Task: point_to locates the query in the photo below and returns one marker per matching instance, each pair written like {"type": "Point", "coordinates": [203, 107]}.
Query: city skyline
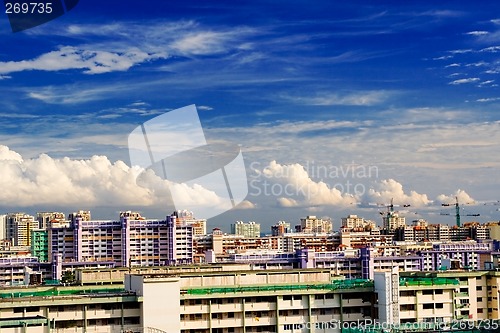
{"type": "Point", "coordinates": [338, 108]}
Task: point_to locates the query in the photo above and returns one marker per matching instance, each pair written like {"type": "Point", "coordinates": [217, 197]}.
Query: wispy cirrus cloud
{"type": "Point", "coordinates": [477, 33]}
{"type": "Point", "coordinates": [90, 61]}
{"type": "Point", "coordinates": [71, 94]}
{"type": "Point", "coordinates": [490, 99]}
{"type": "Point", "coordinates": [464, 81]}
{"type": "Point", "coordinates": [362, 98]}
{"type": "Point", "coordinates": [121, 46]}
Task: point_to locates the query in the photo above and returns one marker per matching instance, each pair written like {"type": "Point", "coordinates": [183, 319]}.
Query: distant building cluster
{"type": "Point", "coordinates": [49, 244]}
{"type": "Point", "coordinates": [122, 272]}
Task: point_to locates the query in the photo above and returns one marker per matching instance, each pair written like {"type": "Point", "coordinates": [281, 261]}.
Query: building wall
{"type": "Point", "coordinates": [252, 301]}
{"type": "Point", "coordinates": [127, 242]}
{"type": "Point", "coordinates": [40, 244]}
{"type": "Point", "coordinates": [160, 301]}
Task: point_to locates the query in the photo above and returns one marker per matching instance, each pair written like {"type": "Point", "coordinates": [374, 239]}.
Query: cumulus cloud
{"type": "Point", "coordinates": [293, 186]}
{"type": "Point", "coordinates": [91, 61]}
{"type": "Point", "coordinates": [9, 155]}
{"type": "Point", "coordinates": [245, 204]}
{"type": "Point", "coordinates": [287, 202]}
{"type": "Point", "coordinates": [462, 196]}
{"type": "Point", "coordinates": [91, 182]}
{"type": "Point", "coordinates": [389, 189]}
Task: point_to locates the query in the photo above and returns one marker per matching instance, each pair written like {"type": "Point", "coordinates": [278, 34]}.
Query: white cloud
{"type": "Point", "coordinates": [91, 182]}
{"type": "Point", "coordinates": [293, 186]}
{"type": "Point", "coordinates": [91, 61]}
{"type": "Point", "coordinates": [9, 155]}
{"type": "Point", "coordinates": [477, 33]}
{"type": "Point", "coordinates": [203, 43]}
{"type": "Point", "coordinates": [120, 46]}
{"type": "Point", "coordinates": [492, 49]}
{"type": "Point", "coordinates": [442, 57]}
{"type": "Point", "coordinates": [477, 64]}
{"type": "Point", "coordinates": [287, 202]}
{"type": "Point", "coordinates": [463, 51]}
{"type": "Point", "coordinates": [464, 81]}
{"type": "Point", "coordinates": [204, 108]}
{"type": "Point", "coordinates": [72, 94]}
{"type": "Point", "coordinates": [463, 198]}
{"type": "Point", "coordinates": [246, 204]}
{"type": "Point", "coordinates": [491, 99]}
{"type": "Point", "coordinates": [390, 189]}
{"type": "Point", "coordinates": [364, 98]}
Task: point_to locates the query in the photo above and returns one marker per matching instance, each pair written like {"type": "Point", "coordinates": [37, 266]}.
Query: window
{"type": "Point", "coordinates": [439, 305]}
{"type": "Point", "coordinates": [407, 307]}
{"type": "Point", "coordinates": [428, 306]}
{"type": "Point", "coordinates": [438, 291]}
{"type": "Point", "coordinates": [407, 293]}
{"type": "Point", "coordinates": [479, 299]}
{"type": "Point", "coordinates": [427, 292]}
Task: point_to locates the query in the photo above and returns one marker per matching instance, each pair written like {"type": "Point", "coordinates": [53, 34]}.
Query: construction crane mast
{"type": "Point", "coordinates": [457, 212]}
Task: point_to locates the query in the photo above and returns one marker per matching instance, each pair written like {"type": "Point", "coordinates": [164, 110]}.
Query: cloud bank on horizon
{"type": "Point", "coordinates": [53, 182]}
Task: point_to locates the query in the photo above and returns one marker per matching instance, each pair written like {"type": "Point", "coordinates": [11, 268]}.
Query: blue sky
{"type": "Point", "coordinates": [307, 90]}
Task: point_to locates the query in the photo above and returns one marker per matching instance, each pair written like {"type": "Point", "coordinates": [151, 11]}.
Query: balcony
{"type": "Point", "coordinates": [231, 307]}
{"type": "Point", "coordinates": [354, 302]}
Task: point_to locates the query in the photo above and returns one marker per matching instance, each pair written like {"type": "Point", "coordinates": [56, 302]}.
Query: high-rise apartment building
{"type": "Point", "coordinates": [44, 218]}
{"type": "Point", "coordinates": [130, 241]}
{"type": "Point", "coordinates": [392, 221]}
{"type": "Point", "coordinates": [18, 228]}
{"type": "Point", "coordinates": [83, 214]}
{"type": "Point", "coordinates": [280, 228]}
{"type": "Point", "coordinates": [313, 224]}
{"type": "Point", "coordinates": [250, 229]}
{"type": "Point", "coordinates": [187, 217]}
{"type": "Point", "coordinates": [40, 244]}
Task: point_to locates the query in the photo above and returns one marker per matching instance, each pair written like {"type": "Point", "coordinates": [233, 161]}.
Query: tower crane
{"type": "Point", "coordinates": [457, 211]}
